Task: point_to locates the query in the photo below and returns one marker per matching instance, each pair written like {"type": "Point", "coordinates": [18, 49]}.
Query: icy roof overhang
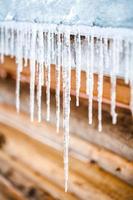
{"type": "Point", "coordinates": [104, 13]}
{"type": "Point", "coordinates": [41, 32]}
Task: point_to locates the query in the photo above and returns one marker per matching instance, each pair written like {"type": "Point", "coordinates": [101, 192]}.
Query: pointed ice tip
{"type": "Point", "coordinates": [100, 128]}
{"type": "Point", "coordinates": [18, 110]}
{"type": "Point", "coordinates": [57, 130]}
{"type": "Point", "coordinates": [77, 102]}
{"type": "Point", "coordinates": [66, 186]}
{"type": "Point", "coordinates": [48, 119]}
{"type": "Point", "coordinates": [90, 121]}
{"type": "Point", "coordinates": [114, 119]}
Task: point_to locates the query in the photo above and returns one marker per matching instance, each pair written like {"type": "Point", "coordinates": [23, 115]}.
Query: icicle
{"type": "Point", "coordinates": [48, 76]}
{"type": "Point", "coordinates": [117, 51]}
{"type": "Point", "coordinates": [2, 45]}
{"type": "Point", "coordinates": [58, 66]}
{"type": "Point", "coordinates": [19, 67]}
{"type": "Point", "coordinates": [26, 45]}
{"type": "Point", "coordinates": [100, 85]}
{"type": "Point", "coordinates": [12, 42]}
{"type": "Point", "coordinates": [39, 91]}
{"type": "Point", "coordinates": [87, 65]}
{"type": "Point", "coordinates": [32, 72]}
{"type": "Point", "coordinates": [6, 41]}
{"type": "Point", "coordinates": [66, 70]}
{"type": "Point", "coordinates": [131, 77]}
{"type": "Point", "coordinates": [52, 47]}
{"type": "Point", "coordinates": [126, 50]}
{"type": "Point", "coordinates": [113, 82]}
{"type": "Point", "coordinates": [131, 99]}
{"type": "Point", "coordinates": [90, 81]}
{"type": "Point", "coordinates": [106, 56]}
{"type": "Point", "coordinates": [18, 88]}
{"type": "Point", "coordinates": [40, 71]}
{"type": "Point", "coordinates": [78, 67]}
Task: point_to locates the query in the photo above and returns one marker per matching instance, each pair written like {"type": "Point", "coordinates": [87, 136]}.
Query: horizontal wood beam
{"type": "Point", "coordinates": [20, 177]}
{"type": "Point", "coordinates": [121, 100]}
{"type": "Point", "coordinates": [45, 133]}
{"type": "Point", "coordinates": [85, 180]}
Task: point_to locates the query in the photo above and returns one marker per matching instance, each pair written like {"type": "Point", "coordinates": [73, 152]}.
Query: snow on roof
{"type": "Point", "coordinates": [104, 13]}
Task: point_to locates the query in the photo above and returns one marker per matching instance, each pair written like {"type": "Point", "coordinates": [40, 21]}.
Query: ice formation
{"type": "Point", "coordinates": [101, 50]}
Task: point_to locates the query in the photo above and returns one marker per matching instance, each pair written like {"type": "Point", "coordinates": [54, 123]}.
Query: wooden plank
{"type": "Point", "coordinates": [116, 138]}
{"type": "Point", "coordinates": [9, 191]}
{"type": "Point", "coordinates": [79, 148]}
{"type": "Point", "coordinates": [27, 182]}
{"type": "Point", "coordinates": [85, 180]}
{"type": "Point", "coordinates": [121, 100]}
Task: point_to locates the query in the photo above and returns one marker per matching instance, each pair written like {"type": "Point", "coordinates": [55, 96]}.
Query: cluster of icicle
{"type": "Point", "coordinates": [100, 50]}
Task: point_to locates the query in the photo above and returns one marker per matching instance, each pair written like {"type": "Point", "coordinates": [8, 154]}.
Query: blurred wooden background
{"type": "Point", "coordinates": [31, 154]}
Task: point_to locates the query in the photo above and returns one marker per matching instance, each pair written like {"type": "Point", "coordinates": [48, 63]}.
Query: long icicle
{"type": "Point", "coordinates": [12, 42]}
{"type": "Point", "coordinates": [48, 76]}
{"type": "Point", "coordinates": [126, 62]}
{"type": "Point", "coordinates": [26, 38]}
{"type": "Point", "coordinates": [131, 78]}
{"type": "Point", "coordinates": [2, 45]}
{"type": "Point", "coordinates": [18, 88]}
{"type": "Point", "coordinates": [113, 82]}
{"type": "Point", "coordinates": [32, 72]}
{"type": "Point", "coordinates": [6, 40]}
{"type": "Point", "coordinates": [58, 66]}
{"type": "Point", "coordinates": [66, 72]}
{"type": "Point", "coordinates": [100, 85]}
{"type": "Point", "coordinates": [91, 79]}
{"type": "Point", "coordinates": [19, 67]}
{"type": "Point", "coordinates": [40, 71]}
{"type": "Point", "coordinates": [78, 67]}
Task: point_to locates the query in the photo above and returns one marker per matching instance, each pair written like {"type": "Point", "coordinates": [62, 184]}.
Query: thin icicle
{"type": "Point", "coordinates": [106, 53]}
{"type": "Point", "coordinates": [32, 73]}
{"type": "Point", "coordinates": [2, 45]}
{"type": "Point", "coordinates": [40, 71]}
{"type": "Point", "coordinates": [66, 70]}
{"type": "Point", "coordinates": [6, 40]}
{"type": "Point", "coordinates": [131, 99]}
{"type": "Point", "coordinates": [131, 77]}
{"type": "Point", "coordinates": [19, 67]}
{"type": "Point", "coordinates": [48, 76]}
{"type": "Point", "coordinates": [52, 47]}
{"type": "Point", "coordinates": [58, 66]}
{"type": "Point", "coordinates": [12, 42]}
{"type": "Point", "coordinates": [18, 88]}
{"type": "Point", "coordinates": [39, 91]}
{"type": "Point", "coordinates": [100, 85]}
{"type": "Point", "coordinates": [87, 64]}
{"type": "Point", "coordinates": [126, 62]}
{"type": "Point", "coordinates": [26, 45]}
{"type": "Point", "coordinates": [78, 67]}
{"type": "Point", "coordinates": [117, 51]}
{"type": "Point", "coordinates": [91, 81]}
{"type": "Point", "coordinates": [113, 83]}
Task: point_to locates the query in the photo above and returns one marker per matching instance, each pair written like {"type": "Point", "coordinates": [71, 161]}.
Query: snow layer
{"type": "Point", "coordinates": [105, 13]}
